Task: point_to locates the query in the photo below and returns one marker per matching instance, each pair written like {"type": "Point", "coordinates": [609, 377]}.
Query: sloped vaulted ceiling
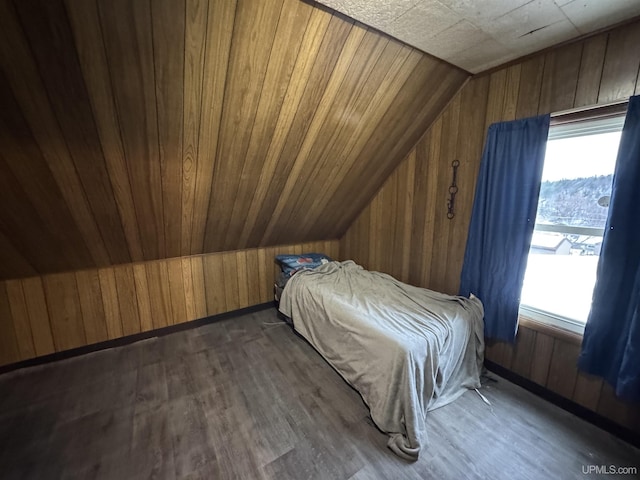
{"type": "Point", "coordinates": [137, 130]}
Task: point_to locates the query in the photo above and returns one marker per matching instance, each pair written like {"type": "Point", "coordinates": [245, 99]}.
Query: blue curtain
{"type": "Point", "coordinates": [502, 221]}
{"type": "Point", "coordinates": [611, 343]}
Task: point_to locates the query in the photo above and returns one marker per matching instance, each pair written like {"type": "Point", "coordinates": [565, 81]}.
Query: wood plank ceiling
{"type": "Point", "coordinates": [139, 130]}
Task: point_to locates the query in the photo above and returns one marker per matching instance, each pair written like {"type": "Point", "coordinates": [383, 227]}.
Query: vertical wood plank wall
{"type": "Point", "coordinates": [57, 312]}
{"type": "Point", "coordinates": [404, 231]}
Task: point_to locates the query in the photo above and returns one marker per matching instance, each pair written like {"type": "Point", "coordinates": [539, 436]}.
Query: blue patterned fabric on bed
{"type": "Point", "coordinates": [291, 264]}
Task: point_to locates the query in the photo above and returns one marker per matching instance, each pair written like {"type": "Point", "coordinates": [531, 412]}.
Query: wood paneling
{"type": "Point", "coordinates": [83, 243]}
{"type": "Point", "coordinates": [552, 363]}
{"type": "Point", "coordinates": [601, 69]}
{"type": "Point", "coordinates": [9, 350]}
{"type": "Point", "coordinates": [127, 299]}
{"type": "Point", "coordinates": [620, 71]}
{"type": "Point", "coordinates": [38, 313]}
{"type": "Point", "coordinates": [20, 317]}
{"type": "Point", "coordinates": [133, 131]}
{"type": "Point", "coordinates": [56, 312]}
{"type": "Point", "coordinates": [93, 312]}
{"type": "Point", "coordinates": [48, 32]}
{"type": "Point", "coordinates": [65, 312]}
{"type": "Point", "coordinates": [109, 291]}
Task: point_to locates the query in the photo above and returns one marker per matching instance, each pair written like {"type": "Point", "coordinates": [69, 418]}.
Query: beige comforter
{"type": "Point", "coordinates": [407, 350]}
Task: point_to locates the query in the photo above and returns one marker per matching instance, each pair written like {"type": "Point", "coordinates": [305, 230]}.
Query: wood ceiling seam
{"type": "Point", "coordinates": [243, 234]}
{"type": "Point", "coordinates": [319, 115]}
{"type": "Point", "coordinates": [66, 70]}
{"type": "Point", "coordinates": [396, 72]}
{"type": "Point", "coordinates": [360, 84]}
{"type": "Point", "coordinates": [279, 142]}
{"type": "Point", "coordinates": [189, 166]}
{"type": "Point", "coordinates": [206, 199]}
{"type": "Point", "coordinates": [390, 64]}
{"type": "Point", "coordinates": [132, 229]}
{"type": "Point", "coordinates": [246, 75]}
{"type": "Point", "coordinates": [322, 68]}
{"type": "Point", "coordinates": [57, 157]}
{"type": "Point", "coordinates": [229, 239]}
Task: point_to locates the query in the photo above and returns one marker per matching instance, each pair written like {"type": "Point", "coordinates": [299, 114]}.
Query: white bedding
{"type": "Point", "coordinates": [407, 350]}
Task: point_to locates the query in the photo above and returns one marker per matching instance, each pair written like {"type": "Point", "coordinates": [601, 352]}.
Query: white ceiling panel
{"type": "Point", "coordinates": [485, 55]}
{"type": "Point", "coordinates": [590, 15]}
{"type": "Point", "coordinates": [385, 11]}
{"type": "Point", "coordinates": [450, 41]}
{"type": "Point", "coordinates": [483, 11]}
{"type": "Point", "coordinates": [524, 20]}
{"type": "Point", "coordinates": [479, 34]}
{"type": "Point", "coordinates": [546, 37]}
{"type": "Point", "coordinates": [424, 20]}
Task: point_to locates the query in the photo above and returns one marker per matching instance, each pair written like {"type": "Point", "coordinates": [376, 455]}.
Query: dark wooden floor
{"type": "Point", "coordinates": [247, 398]}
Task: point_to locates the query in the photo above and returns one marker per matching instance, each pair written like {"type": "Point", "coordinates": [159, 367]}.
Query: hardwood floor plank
{"type": "Point", "coordinates": [152, 445]}
{"type": "Point", "coordinates": [241, 398]}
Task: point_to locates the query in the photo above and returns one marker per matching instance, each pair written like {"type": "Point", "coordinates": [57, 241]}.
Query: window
{"type": "Point", "coordinates": [572, 212]}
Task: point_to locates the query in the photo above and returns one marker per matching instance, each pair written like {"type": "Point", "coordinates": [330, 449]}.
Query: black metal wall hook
{"type": "Point", "coordinates": [453, 189]}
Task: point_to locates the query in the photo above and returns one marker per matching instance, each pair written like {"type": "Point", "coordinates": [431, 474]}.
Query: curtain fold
{"type": "Point", "coordinates": [502, 220]}
{"type": "Point", "coordinates": [611, 343]}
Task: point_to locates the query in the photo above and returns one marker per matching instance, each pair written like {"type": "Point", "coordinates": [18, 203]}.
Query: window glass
{"type": "Point", "coordinates": [572, 212]}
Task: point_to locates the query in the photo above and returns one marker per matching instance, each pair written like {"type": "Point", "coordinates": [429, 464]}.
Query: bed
{"type": "Point", "coordinates": [406, 350]}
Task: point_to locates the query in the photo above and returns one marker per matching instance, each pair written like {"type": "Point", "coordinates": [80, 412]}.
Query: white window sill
{"type": "Point", "coordinates": [556, 321]}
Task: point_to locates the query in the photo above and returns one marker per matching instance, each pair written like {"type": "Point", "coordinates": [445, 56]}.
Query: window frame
{"type": "Point", "coordinates": [569, 124]}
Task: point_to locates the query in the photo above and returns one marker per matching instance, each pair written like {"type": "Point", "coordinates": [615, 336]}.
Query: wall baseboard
{"type": "Point", "coordinates": [119, 342]}
{"type": "Point", "coordinates": [576, 409]}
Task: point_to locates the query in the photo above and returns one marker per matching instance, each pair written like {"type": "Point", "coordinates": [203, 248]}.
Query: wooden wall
{"type": "Point", "coordinates": [56, 312]}
{"type": "Point", "coordinates": [404, 229]}
{"type": "Point", "coordinates": [139, 130]}
{"type": "Point", "coordinates": [549, 358]}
